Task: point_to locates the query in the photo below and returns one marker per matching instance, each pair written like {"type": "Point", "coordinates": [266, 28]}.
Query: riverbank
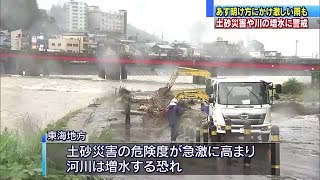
{"type": "Point", "coordinates": [95, 109]}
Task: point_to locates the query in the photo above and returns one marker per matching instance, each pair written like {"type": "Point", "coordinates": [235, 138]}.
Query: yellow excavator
{"type": "Point", "coordinates": [187, 94]}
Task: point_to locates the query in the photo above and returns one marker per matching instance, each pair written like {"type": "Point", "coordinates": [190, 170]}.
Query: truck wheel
{"type": "Point", "coordinates": [265, 137]}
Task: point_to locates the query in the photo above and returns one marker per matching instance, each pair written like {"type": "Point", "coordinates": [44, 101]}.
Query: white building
{"type": "Point", "coordinates": [256, 54]}
{"type": "Point", "coordinates": [77, 16]}
{"type": "Point", "coordinates": [271, 54]}
{"type": "Point", "coordinates": [107, 21]}
{"type": "Point", "coordinates": [16, 40]}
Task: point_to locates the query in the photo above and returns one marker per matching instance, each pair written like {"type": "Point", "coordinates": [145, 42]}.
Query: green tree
{"type": "Point", "coordinates": [18, 14]}
{"type": "Point", "coordinates": [46, 23]}
{"type": "Point", "coordinates": [292, 86]}
{"type": "Point", "coordinates": [59, 13]}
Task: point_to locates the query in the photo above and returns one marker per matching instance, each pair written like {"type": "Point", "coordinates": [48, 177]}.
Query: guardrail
{"type": "Point", "coordinates": [81, 56]}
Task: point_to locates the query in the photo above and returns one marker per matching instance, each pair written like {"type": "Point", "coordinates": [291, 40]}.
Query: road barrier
{"type": "Point", "coordinates": [275, 151]}
{"type": "Point", "coordinates": [247, 138]}
{"type": "Point", "coordinates": [191, 134]}
{"type": "Point", "coordinates": [186, 133]}
{"type": "Point", "coordinates": [205, 132]}
{"type": "Point", "coordinates": [127, 120]}
{"type": "Point", "coordinates": [198, 134]}
{"type": "Point", "coordinates": [209, 131]}
{"type": "Point", "coordinates": [228, 127]}
{"type": "Point", "coordinates": [228, 135]}
{"type": "Point", "coordinates": [213, 133]}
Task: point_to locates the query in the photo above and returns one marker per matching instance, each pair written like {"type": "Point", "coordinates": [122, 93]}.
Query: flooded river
{"type": "Point", "coordinates": [47, 99]}
{"type": "Point", "coordinates": [44, 100]}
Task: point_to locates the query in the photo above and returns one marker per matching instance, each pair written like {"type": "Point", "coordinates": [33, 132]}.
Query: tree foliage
{"type": "Point", "coordinates": [255, 46]}
{"type": "Point", "coordinates": [25, 14]}
{"type": "Point", "coordinates": [292, 86]}
{"type": "Point", "coordinates": [18, 14]}
{"type": "Point", "coordinates": [59, 13]}
{"type": "Point", "coordinates": [226, 49]}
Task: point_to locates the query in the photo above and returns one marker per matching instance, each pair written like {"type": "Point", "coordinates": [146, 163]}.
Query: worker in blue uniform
{"type": "Point", "coordinates": [174, 112]}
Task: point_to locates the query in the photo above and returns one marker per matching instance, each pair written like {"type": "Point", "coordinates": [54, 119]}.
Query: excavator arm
{"type": "Point", "coordinates": [187, 71]}
{"type": "Point", "coordinates": [194, 94]}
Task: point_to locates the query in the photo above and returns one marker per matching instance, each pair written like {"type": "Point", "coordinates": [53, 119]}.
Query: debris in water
{"type": "Point", "coordinates": [123, 91]}
{"type": "Point", "coordinates": [157, 108]}
{"type": "Point", "coordinates": [154, 105]}
{"type": "Point", "coordinates": [112, 119]}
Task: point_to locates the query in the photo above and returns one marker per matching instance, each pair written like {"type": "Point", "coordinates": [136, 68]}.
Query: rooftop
{"type": "Point", "coordinates": [75, 34]}
{"type": "Point", "coordinates": [164, 46]}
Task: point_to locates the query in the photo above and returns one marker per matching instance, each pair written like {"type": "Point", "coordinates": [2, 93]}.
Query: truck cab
{"type": "Point", "coordinates": [240, 101]}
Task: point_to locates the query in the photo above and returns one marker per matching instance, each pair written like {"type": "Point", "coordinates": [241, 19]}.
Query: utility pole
{"type": "Point", "coordinates": [127, 120]}
{"type": "Point", "coordinates": [162, 37]}
{"type": "Point", "coordinates": [79, 45]}
{"type": "Point", "coordinates": [296, 48]}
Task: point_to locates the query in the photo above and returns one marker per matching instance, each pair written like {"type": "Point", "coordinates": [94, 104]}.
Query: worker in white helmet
{"type": "Point", "coordinates": [174, 112]}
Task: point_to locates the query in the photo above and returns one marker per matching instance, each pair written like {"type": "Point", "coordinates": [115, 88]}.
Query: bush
{"type": "Point", "coordinates": [19, 158]}
{"type": "Point", "coordinates": [292, 86]}
{"type": "Point", "coordinates": [20, 152]}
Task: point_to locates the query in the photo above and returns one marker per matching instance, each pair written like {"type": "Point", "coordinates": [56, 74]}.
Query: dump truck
{"type": "Point", "coordinates": [237, 101]}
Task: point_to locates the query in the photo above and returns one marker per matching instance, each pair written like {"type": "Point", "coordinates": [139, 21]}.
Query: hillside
{"type": "Point", "coordinates": [142, 35]}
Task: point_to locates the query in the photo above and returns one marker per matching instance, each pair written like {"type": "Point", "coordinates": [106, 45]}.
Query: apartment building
{"type": "Point", "coordinates": [65, 45]}
{"type": "Point", "coordinates": [82, 38]}
{"type": "Point", "coordinates": [107, 21]}
{"type": "Point", "coordinates": [16, 39]}
{"type": "Point", "coordinates": [77, 16]}
{"type": "Point", "coordinates": [70, 42]}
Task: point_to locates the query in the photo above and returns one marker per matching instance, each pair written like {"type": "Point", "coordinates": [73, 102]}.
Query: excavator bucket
{"type": "Point", "coordinates": [163, 91]}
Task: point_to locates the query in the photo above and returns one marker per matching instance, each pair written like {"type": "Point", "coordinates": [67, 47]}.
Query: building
{"type": "Point", "coordinates": [77, 16]}
{"type": "Point", "coordinates": [256, 54]}
{"type": "Point", "coordinates": [82, 38]}
{"type": "Point", "coordinates": [110, 48]}
{"type": "Point", "coordinates": [39, 42]}
{"type": "Point", "coordinates": [16, 40]}
{"type": "Point", "coordinates": [163, 50]}
{"type": "Point", "coordinates": [186, 49]}
{"type": "Point", "coordinates": [225, 49]}
{"type": "Point", "coordinates": [65, 45]}
{"type": "Point", "coordinates": [95, 40]}
{"type": "Point", "coordinates": [70, 42]}
{"type": "Point", "coordinates": [194, 51]}
{"type": "Point", "coordinates": [271, 54]}
{"type": "Point", "coordinates": [2, 38]}
{"type": "Point", "coordinates": [20, 40]}
{"type": "Point", "coordinates": [100, 21]}
{"type": "Point", "coordinates": [124, 15]}
{"type": "Point", "coordinates": [5, 39]}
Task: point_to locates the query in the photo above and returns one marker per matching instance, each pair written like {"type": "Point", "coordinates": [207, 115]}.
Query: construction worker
{"type": "Point", "coordinates": [174, 112]}
{"type": "Point", "coordinates": [206, 108]}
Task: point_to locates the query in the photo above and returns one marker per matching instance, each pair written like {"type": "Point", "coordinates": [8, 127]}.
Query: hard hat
{"type": "Point", "coordinates": [174, 100]}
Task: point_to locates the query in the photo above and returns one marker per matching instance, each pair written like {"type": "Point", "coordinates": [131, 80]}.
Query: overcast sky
{"type": "Point", "coordinates": [186, 20]}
